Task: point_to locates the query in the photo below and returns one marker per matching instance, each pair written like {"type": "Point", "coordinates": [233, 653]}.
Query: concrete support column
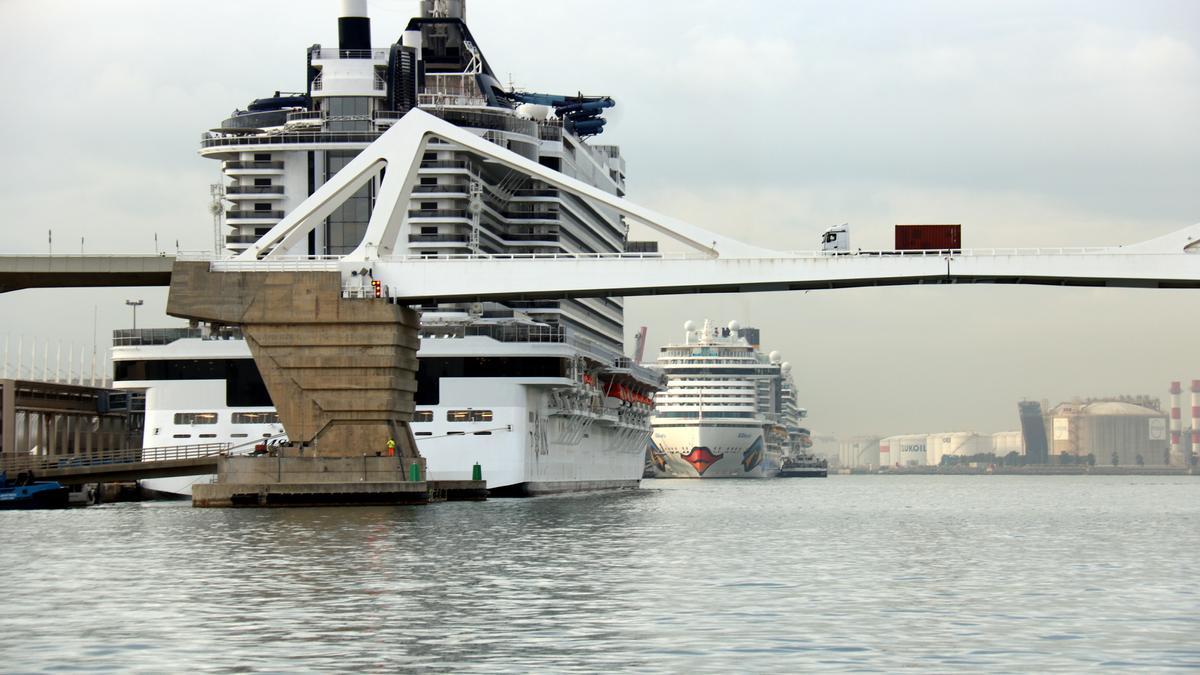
{"type": "Point", "coordinates": [341, 373]}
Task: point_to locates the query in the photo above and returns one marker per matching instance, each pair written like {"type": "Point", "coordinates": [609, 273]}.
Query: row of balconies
{"type": "Point", "coordinates": [463, 213]}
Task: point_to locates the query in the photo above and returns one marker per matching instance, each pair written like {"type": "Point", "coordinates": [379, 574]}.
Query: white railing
{"type": "Point", "coordinates": [329, 262]}
{"type": "Point", "coordinates": [331, 53]}
{"type": "Point", "coordinates": [307, 264]}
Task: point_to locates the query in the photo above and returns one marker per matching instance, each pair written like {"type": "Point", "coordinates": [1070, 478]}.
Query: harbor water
{"type": "Point", "coordinates": [1006, 573]}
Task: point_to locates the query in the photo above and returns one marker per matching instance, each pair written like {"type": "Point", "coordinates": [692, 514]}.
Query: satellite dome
{"type": "Point", "coordinates": [786, 367]}
{"type": "Point", "coordinates": [775, 356]}
{"type": "Point", "coordinates": [734, 326]}
{"type": "Point", "coordinates": [689, 325]}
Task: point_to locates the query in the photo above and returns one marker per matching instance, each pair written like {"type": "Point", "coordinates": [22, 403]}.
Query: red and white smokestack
{"type": "Point", "coordinates": [1176, 423]}
{"type": "Point", "coordinates": [1195, 417]}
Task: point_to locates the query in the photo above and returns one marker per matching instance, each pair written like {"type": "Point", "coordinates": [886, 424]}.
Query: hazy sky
{"type": "Point", "coordinates": [1031, 123]}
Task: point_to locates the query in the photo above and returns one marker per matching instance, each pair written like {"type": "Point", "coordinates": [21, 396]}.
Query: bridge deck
{"type": "Point", "coordinates": [65, 271]}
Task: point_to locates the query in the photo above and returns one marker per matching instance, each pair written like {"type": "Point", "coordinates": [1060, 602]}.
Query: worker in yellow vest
{"type": "Point", "coordinates": [391, 448]}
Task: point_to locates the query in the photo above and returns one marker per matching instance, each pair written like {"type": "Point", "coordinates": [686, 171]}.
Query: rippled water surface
{"type": "Point", "coordinates": [853, 572]}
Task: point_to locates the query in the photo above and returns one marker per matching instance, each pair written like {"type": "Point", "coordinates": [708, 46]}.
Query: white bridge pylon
{"type": "Point", "coordinates": [722, 265]}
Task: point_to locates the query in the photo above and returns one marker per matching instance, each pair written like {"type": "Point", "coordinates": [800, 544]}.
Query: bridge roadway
{"type": "Point", "coordinates": [417, 280]}
{"type": "Point", "coordinates": [63, 271]}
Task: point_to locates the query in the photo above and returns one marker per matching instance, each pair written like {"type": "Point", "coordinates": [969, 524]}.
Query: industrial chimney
{"type": "Point", "coordinates": [1195, 418]}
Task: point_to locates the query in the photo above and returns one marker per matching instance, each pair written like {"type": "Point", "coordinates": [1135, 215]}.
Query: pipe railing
{"type": "Point", "coordinates": [19, 462]}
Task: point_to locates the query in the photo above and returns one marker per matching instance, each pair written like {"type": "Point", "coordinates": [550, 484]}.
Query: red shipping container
{"type": "Point", "coordinates": [928, 237]}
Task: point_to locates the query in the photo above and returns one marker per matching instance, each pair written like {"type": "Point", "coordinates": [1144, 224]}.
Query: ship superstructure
{"type": "Point", "coordinates": [729, 411]}
{"type": "Point", "coordinates": [538, 392]}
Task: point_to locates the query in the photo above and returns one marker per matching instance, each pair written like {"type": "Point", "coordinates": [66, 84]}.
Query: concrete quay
{"type": "Point", "coordinates": [325, 481]}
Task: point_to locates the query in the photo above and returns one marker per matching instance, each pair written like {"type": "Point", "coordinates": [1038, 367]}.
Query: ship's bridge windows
{"type": "Point", "coordinates": [423, 416]}
{"type": "Point", "coordinates": [196, 418]}
{"type": "Point", "coordinates": [468, 415]}
{"type": "Point", "coordinates": [255, 418]}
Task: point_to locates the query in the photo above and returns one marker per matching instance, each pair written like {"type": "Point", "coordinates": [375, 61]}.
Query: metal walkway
{"type": "Point", "coordinates": [118, 465]}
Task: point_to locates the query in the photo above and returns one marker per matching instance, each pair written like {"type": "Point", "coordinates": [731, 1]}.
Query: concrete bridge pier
{"type": "Point", "coordinates": [341, 374]}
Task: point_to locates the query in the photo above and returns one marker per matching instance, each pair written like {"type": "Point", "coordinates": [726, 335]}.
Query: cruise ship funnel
{"type": "Point", "coordinates": [354, 27]}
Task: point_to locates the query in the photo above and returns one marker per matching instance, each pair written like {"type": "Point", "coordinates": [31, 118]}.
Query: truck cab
{"type": "Point", "coordinates": [836, 239]}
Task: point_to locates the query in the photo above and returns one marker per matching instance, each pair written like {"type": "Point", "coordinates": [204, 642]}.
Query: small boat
{"type": "Point", "coordinates": [27, 493]}
{"type": "Point", "coordinates": [803, 466]}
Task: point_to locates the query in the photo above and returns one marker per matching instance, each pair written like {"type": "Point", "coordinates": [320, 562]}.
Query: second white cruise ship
{"type": "Point", "coordinates": [729, 411]}
{"type": "Point", "coordinates": [539, 393]}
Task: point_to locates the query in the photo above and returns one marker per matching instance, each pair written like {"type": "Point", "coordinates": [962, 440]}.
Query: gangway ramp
{"type": "Point", "coordinates": [118, 465]}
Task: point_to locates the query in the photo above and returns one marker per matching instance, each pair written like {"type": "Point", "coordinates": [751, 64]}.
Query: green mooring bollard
{"type": "Point", "coordinates": [414, 472]}
{"type": "Point", "coordinates": [477, 472]}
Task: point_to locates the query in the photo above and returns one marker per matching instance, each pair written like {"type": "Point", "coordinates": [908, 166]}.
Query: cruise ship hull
{"type": "Point", "coordinates": [711, 451]}
{"type": "Point", "coordinates": [526, 446]}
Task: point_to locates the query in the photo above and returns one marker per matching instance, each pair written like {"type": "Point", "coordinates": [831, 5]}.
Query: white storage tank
{"type": "Point", "coordinates": [860, 452]}
{"type": "Point", "coordinates": [957, 443]}
{"type": "Point", "coordinates": [1007, 442]}
{"type": "Point", "coordinates": [905, 449]}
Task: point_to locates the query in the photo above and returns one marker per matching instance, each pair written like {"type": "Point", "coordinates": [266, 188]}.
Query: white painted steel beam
{"type": "Point", "coordinates": [726, 265]}
{"type": "Point", "coordinates": [434, 280]}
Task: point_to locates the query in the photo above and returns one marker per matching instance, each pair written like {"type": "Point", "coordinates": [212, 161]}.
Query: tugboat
{"type": "Point", "coordinates": [27, 493]}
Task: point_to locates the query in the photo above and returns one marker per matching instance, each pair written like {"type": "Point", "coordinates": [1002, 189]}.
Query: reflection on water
{"type": "Point", "coordinates": [867, 572]}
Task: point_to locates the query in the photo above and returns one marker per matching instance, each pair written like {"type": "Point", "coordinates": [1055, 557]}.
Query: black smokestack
{"type": "Point", "coordinates": [354, 27]}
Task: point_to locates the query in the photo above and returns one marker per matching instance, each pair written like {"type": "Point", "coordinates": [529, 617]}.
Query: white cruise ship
{"type": "Point", "coordinates": [729, 411]}
{"type": "Point", "coordinates": [538, 393]}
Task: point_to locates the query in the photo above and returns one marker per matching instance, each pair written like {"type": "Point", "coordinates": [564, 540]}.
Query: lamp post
{"type": "Point", "coordinates": [134, 304]}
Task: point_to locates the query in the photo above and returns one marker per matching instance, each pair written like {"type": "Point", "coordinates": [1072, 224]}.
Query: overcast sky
{"type": "Point", "coordinates": [1031, 123]}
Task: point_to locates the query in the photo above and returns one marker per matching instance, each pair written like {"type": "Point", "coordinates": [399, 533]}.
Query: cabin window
{"type": "Point", "coordinates": [262, 156]}
{"type": "Point", "coordinates": [428, 180]}
{"type": "Point", "coordinates": [423, 416]}
{"type": "Point", "coordinates": [423, 433]}
{"type": "Point", "coordinates": [262, 182]}
{"type": "Point", "coordinates": [255, 418]}
{"type": "Point", "coordinates": [182, 436]}
{"type": "Point", "coordinates": [429, 206]}
{"type": "Point", "coordinates": [196, 418]}
{"type": "Point", "coordinates": [468, 415]}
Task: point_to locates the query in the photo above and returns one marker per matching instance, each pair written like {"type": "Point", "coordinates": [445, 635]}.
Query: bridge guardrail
{"type": "Point", "coordinates": [13, 463]}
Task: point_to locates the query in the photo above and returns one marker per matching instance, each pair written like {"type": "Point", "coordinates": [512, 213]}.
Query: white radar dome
{"type": "Point", "coordinates": [734, 325]}
{"type": "Point", "coordinates": [689, 325]}
{"type": "Point", "coordinates": [774, 356]}
{"type": "Point", "coordinates": [785, 367]}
